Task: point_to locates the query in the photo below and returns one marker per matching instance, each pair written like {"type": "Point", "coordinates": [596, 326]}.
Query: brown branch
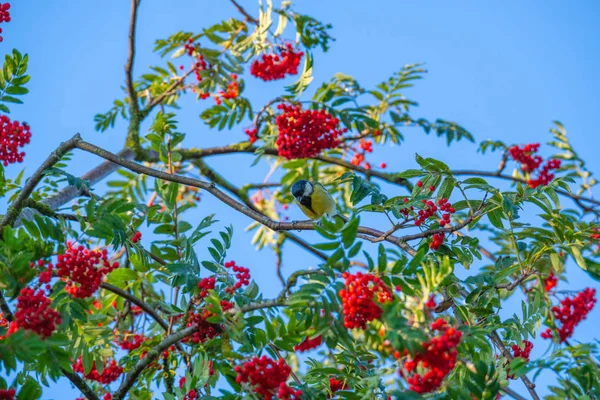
{"type": "Point", "coordinates": [211, 188]}
{"type": "Point", "coordinates": [145, 307]}
{"type": "Point", "coordinates": [152, 355]}
{"type": "Point", "coordinates": [512, 393]}
{"type": "Point", "coordinates": [6, 312]}
{"type": "Point", "coordinates": [449, 229]}
{"type": "Point", "coordinates": [15, 208]}
{"type": "Point", "coordinates": [212, 175]}
{"type": "Point", "coordinates": [245, 147]}
{"type": "Point", "coordinates": [133, 101]}
{"type": "Point", "coordinates": [92, 177]}
{"type": "Point", "coordinates": [495, 338]}
{"type": "Point", "coordinates": [80, 384]}
{"type": "Point", "coordinates": [244, 12]}
{"type": "Point", "coordinates": [168, 92]}
{"type": "Point", "coordinates": [512, 285]}
{"type": "Point", "coordinates": [514, 179]}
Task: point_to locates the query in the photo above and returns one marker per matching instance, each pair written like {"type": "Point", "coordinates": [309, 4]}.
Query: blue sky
{"type": "Point", "coordinates": [503, 70]}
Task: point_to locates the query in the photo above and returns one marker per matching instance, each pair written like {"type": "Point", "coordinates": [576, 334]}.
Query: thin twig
{"type": "Point", "coordinates": [512, 393]}
{"type": "Point", "coordinates": [152, 355]}
{"type": "Point", "coordinates": [495, 338]}
{"type": "Point", "coordinates": [244, 12]}
{"type": "Point", "coordinates": [80, 384]}
{"type": "Point", "coordinates": [215, 177]}
{"type": "Point", "coordinates": [278, 354]}
{"type": "Point", "coordinates": [514, 179]}
{"type": "Point", "coordinates": [6, 312]}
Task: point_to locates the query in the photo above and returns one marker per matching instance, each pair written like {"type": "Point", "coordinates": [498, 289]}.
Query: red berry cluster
{"type": "Point", "coordinates": [545, 177]}
{"type": "Point", "coordinates": [309, 344]}
{"type": "Point", "coordinates": [431, 209]}
{"type": "Point", "coordinates": [437, 359]}
{"type": "Point", "coordinates": [305, 133]}
{"type": "Point", "coordinates": [192, 394]}
{"type": "Point", "coordinates": [13, 135]}
{"type": "Point", "coordinates": [205, 329]}
{"type": "Point", "coordinates": [8, 394]}
{"type": "Point", "coordinates": [437, 240]}
{"type": "Point", "coordinates": [431, 302]}
{"type": "Point", "coordinates": [529, 163]}
{"type": "Point", "coordinates": [34, 313]}
{"type": "Point", "coordinates": [136, 237]}
{"type": "Point", "coordinates": [520, 352]}
{"type": "Point", "coordinates": [84, 269]}
{"type": "Point", "coordinates": [274, 66]}
{"type": "Point", "coordinates": [366, 146]}
{"type": "Point", "coordinates": [233, 90]}
{"type": "Point", "coordinates": [200, 64]}
{"type": "Point", "coordinates": [267, 378]}
{"type": "Point", "coordinates": [4, 17]}
{"type": "Point", "coordinates": [525, 157]}
{"type": "Point", "coordinates": [110, 373]}
{"type": "Point", "coordinates": [252, 134]}
{"type": "Point", "coordinates": [357, 299]}
{"type": "Point", "coordinates": [131, 342]}
{"type": "Point", "coordinates": [570, 313]}
{"type": "Point", "coordinates": [205, 285]}
{"type": "Point", "coordinates": [336, 385]}
{"type": "Point", "coordinates": [550, 282]}
{"type": "Point", "coordinates": [44, 276]}
{"type": "Point", "coordinates": [242, 275]}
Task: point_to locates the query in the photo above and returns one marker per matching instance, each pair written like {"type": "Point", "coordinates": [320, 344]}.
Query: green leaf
{"type": "Point", "coordinates": [122, 274]}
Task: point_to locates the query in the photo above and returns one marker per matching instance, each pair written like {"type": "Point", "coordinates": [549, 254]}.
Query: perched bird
{"type": "Point", "coordinates": [314, 200]}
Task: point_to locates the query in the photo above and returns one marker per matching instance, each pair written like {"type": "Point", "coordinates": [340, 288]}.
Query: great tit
{"type": "Point", "coordinates": [314, 200]}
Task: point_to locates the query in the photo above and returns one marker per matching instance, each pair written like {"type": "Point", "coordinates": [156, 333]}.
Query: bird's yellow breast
{"type": "Point", "coordinates": [321, 203]}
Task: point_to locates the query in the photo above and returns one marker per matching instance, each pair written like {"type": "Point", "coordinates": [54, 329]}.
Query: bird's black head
{"type": "Point", "coordinates": [301, 188]}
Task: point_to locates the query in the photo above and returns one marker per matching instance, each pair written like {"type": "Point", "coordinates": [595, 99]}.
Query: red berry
{"type": "Point", "coordinates": [383, 165]}
{"type": "Point", "coordinates": [432, 188]}
{"type": "Point", "coordinates": [420, 184]}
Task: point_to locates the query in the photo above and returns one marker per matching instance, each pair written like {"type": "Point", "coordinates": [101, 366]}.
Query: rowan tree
{"type": "Point", "coordinates": [107, 288]}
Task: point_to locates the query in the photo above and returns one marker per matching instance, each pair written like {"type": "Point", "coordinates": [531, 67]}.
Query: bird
{"type": "Point", "coordinates": [314, 200]}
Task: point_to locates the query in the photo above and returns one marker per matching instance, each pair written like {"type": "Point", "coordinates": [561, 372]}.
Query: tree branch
{"type": "Point", "coordinates": [15, 208]}
{"type": "Point", "coordinates": [246, 147]}
{"type": "Point", "coordinates": [145, 307]}
{"type": "Point", "coordinates": [244, 12]}
{"type": "Point", "coordinates": [152, 355]}
{"type": "Point", "coordinates": [135, 117]}
{"type": "Point", "coordinates": [169, 91]}
{"type": "Point", "coordinates": [215, 177]}
{"type": "Point", "coordinates": [495, 338]}
{"type": "Point", "coordinates": [210, 187]}
{"type": "Point", "coordinates": [80, 384]}
{"type": "Point", "coordinates": [6, 312]}
{"type": "Point", "coordinates": [575, 197]}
